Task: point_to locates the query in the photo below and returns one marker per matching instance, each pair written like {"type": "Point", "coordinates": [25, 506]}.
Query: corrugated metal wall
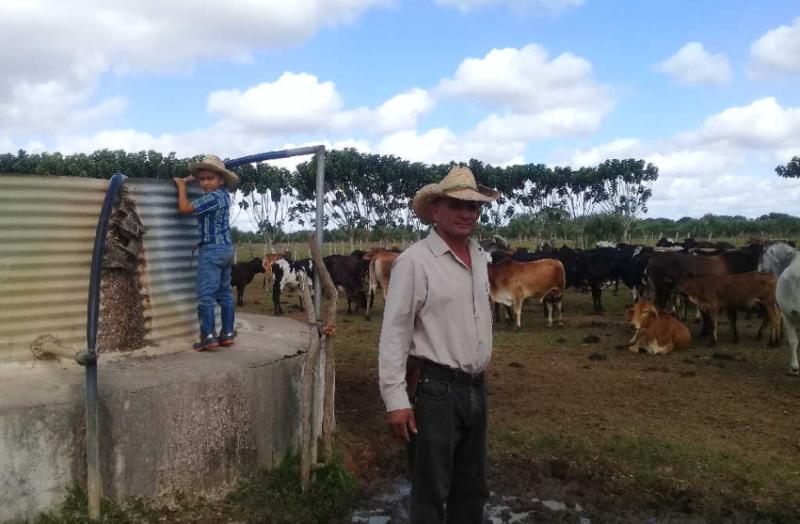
{"type": "Point", "coordinates": [169, 268]}
{"type": "Point", "coordinates": [47, 228]}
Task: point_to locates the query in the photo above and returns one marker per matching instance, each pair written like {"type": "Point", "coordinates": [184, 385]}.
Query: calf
{"type": "Point", "coordinates": [289, 274]}
{"type": "Point", "coordinates": [347, 273]}
{"type": "Point", "coordinates": [380, 270]}
{"type": "Point", "coordinates": [512, 282]}
{"type": "Point", "coordinates": [268, 261]}
{"type": "Point", "coordinates": [712, 293]}
{"type": "Point", "coordinates": [242, 273]}
{"type": "Point", "coordinates": [656, 330]}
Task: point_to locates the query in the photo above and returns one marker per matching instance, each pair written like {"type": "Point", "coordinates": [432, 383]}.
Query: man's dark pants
{"type": "Point", "coordinates": [448, 454]}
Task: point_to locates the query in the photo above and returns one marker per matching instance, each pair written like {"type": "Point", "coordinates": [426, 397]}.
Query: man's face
{"type": "Point", "coordinates": [209, 180]}
{"type": "Point", "coordinates": [455, 218]}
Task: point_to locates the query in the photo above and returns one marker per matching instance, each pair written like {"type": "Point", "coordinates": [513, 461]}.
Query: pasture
{"type": "Point", "coordinates": [701, 435]}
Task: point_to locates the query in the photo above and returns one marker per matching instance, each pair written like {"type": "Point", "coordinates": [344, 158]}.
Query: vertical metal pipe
{"type": "Point", "coordinates": [320, 156]}
{"type": "Point", "coordinates": [89, 357]}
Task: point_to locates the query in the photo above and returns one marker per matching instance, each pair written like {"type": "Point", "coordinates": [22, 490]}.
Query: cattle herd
{"type": "Point", "coordinates": [666, 281]}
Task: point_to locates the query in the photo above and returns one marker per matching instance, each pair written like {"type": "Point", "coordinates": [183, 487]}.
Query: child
{"type": "Point", "coordinates": [216, 249]}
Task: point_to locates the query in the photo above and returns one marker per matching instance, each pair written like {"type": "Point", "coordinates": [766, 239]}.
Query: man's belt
{"type": "Point", "coordinates": [440, 372]}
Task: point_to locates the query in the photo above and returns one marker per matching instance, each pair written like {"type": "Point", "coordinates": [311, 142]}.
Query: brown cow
{"type": "Point", "coordinates": [665, 271]}
{"type": "Point", "coordinates": [380, 270]}
{"type": "Point", "coordinates": [512, 282]}
{"type": "Point", "coordinates": [656, 330]}
{"type": "Point", "coordinates": [713, 293]}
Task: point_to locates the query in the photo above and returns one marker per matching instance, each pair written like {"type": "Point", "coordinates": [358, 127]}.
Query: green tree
{"type": "Point", "coordinates": [580, 191]}
{"type": "Point", "coordinates": [626, 186]}
{"type": "Point", "coordinates": [266, 190]}
{"type": "Point", "coordinates": [791, 169]}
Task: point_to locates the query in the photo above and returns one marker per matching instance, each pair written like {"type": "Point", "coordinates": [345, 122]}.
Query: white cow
{"type": "Point", "coordinates": [782, 260]}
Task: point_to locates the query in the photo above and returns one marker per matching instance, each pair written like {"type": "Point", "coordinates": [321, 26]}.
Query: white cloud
{"type": "Point", "coordinates": [548, 6]}
{"type": "Point", "coordinates": [293, 103]}
{"type": "Point", "coordinates": [54, 53]}
{"type": "Point", "coordinates": [763, 130]}
{"type": "Point", "coordinates": [536, 126]}
{"type": "Point", "coordinates": [301, 104]}
{"type": "Point", "coordinates": [539, 97]}
{"type": "Point", "coordinates": [777, 51]}
{"type": "Point", "coordinates": [441, 145]}
{"type": "Point", "coordinates": [402, 111]}
{"type": "Point", "coordinates": [693, 65]}
{"type": "Point", "coordinates": [620, 148]}
{"type": "Point", "coordinates": [724, 167]}
{"type": "Point", "coordinates": [764, 124]}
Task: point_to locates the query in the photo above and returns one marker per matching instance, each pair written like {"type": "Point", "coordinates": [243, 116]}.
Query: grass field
{"type": "Point", "coordinates": [702, 435]}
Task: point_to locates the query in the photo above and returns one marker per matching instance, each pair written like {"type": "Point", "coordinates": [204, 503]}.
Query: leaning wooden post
{"type": "Point", "coordinates": [326, 345]}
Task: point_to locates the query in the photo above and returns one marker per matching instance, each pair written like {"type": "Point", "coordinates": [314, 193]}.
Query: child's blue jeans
{"type": "Point", "coordinates": [214, 287]}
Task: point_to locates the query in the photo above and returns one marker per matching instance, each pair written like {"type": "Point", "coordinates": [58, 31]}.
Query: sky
{"type": "Point", "coordinates": [707, 91]}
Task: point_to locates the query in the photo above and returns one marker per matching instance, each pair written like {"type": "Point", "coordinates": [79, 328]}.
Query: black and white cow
{"type": "Point", "coordinates": [288, 274]}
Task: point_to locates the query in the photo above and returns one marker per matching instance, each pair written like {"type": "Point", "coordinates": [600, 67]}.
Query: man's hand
{"type": "Point", "coordinates": [402, 423]}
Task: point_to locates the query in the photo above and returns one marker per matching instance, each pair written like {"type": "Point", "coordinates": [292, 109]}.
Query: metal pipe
{"type": "Point", "coordinates": [273, 155]}
{"type": "Point", "coordinates": [88, 358]}
{"type": "Point", "coordinates": [320, 226]}
{"type": "Point", "coordinates": [319, 152]}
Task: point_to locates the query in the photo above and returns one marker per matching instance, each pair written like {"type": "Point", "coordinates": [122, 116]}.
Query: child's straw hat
{"type": "Point", "coordinates": [215, 164]}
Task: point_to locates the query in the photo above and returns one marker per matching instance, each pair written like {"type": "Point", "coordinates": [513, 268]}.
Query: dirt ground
{"type": "Point", "coordinates": [701, 435]}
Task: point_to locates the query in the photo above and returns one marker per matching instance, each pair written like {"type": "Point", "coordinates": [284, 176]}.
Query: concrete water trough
{"type": "Point", "coordinates": [170, 418]}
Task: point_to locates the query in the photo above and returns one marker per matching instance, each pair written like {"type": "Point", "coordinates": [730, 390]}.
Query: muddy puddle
{"type": "Point", "coordinates": [390, 506]}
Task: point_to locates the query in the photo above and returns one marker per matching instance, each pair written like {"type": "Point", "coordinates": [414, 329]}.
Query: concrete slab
{"type": "Point", "coordinates": [171, 419]}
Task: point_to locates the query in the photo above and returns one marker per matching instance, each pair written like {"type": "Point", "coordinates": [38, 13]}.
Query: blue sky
{"type": "Point", "coordinates": [708, 91]}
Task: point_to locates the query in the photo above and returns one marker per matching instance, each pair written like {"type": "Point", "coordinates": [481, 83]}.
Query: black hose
{"type": "Point", "coordinates": [93, 312]}
{"type": "Point", "coordinates": [88, 358]}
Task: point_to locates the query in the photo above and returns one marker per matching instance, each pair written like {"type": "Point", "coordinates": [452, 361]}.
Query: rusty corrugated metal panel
{"type": "Point", "coordinates": [169, 268]}
{"type": "Point", "coordinates": [47, 228]}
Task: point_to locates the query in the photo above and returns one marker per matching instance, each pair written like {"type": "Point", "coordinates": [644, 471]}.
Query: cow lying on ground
{"type": "Point", "coordinates": [656, 330]}
{"type": "Point", "coordinates": [380, 270]}
{"type": "Point", "coordinates": [288, 274]}
{"type": "Point", "coordinates": [713, 293]}
{"type": "Point", "coordinates": [512, 282]}
{"type": "Point", "coordinates": [242, 273]}
{"type": "Point", "coordinates": [781, 259]}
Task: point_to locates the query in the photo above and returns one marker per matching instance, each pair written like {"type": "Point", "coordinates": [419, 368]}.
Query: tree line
{"type": "Point", "coordinates": [368, 195]}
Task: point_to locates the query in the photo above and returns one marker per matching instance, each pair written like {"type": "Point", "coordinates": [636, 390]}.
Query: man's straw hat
{"type": "Point", "coordinates": [215, 164]}
{"type": "Point", "coordinates": [459, 184]}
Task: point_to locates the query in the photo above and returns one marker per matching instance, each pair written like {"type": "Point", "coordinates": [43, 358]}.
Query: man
{"type": "Point", "coordinates": [434, 347]}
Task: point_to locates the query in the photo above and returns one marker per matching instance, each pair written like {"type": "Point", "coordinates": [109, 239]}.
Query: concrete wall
{"type": "Point", "coordinates": [170, 420]}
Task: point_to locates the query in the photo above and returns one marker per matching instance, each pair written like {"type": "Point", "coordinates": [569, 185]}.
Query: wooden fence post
{"type": "Point", "coordinates": [321, 337]}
